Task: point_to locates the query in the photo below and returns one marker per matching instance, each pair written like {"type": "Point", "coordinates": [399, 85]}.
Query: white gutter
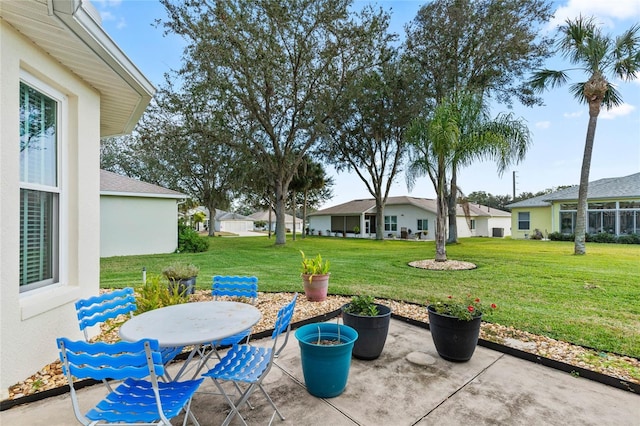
{"type": "Point", "coordinates": [80, 17]}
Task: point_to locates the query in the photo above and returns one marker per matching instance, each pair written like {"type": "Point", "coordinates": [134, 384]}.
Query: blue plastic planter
{"type": "Point", "coordinates": [325, 367]}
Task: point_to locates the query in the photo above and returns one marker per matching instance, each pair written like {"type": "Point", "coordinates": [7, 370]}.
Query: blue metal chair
{"type": "Point", "coordinates": [234, 286]}
{"type": "Point", "coordinates": [108, 306]}
{"type": "Point", "coordinates": [248, 365]}
{"type": "Point", "coordinates": [135, 401]}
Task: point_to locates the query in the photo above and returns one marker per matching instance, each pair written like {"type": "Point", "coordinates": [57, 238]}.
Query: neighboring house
{"type": "Point", "coordinates": [136, 217]}
{"type": "Point", "coordinates": [231, 222]}
{"type": "Point", "coordinates": [407, 217]}
{"type": "Point", "coordinates": [64, 85]}
{"type": "Point", "coordinates": [613, 207]}
{"type": "Point", "coordinates": [271, 221]}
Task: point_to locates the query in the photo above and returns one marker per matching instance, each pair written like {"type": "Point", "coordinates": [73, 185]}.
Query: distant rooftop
{"type": "Point", "coordinates": [115, 184]}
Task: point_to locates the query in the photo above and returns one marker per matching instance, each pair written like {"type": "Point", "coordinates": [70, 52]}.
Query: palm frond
{"type": "Point", "coordinates": [626, 53]}
{"type": "Point", "coordinates": [612, 97]}
{"type": "Point", "coordinates": [577, 90]}
{"type": "Point", "coordinates": [545, 78]}
{"type": "Point", "coordinates": [576, 35]}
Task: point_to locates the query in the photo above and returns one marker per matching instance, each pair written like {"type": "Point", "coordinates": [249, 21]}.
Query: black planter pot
{"type": "Point", "coordinates": [372, 332]}
{"type": "Point", "coordinates": [185, 285]}
{"type": "Point", "coordinates": [455, 339]}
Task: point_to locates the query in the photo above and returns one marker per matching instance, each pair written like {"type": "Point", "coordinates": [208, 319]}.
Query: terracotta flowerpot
{"type": "Point", "coordinates": [315, 287]}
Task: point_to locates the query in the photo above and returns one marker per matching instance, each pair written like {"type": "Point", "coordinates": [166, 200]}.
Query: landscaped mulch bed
{"type": "Point", "coordinates": [620, 367]}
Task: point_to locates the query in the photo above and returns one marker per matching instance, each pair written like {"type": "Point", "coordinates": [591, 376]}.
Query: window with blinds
{"type": "Point", "coordinates": [39, 189]}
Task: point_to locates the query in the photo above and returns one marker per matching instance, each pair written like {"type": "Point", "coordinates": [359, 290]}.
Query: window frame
{"type": "Point", "coordinates": [420, 224]}
{"type": "Point", "coordinates": [59, 210]}
{"type": "Point", "coordinates": [522, 221]}
{"type": "Point", "coordinates": [391, 223]}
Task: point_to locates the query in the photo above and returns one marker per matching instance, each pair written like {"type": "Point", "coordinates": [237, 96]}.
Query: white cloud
{"type": "Point", "coordinates": [121, 24]}
{"type": "Point", "coordinates": [617, 111]}
{"type": "Point", "coordinates": [575, 114]}
{"type": "Point", "coordinates": [604, 11]}
{"type": "Point", "coordinates": [543, 124]}
{"type": "Point", "coordinates": [107, 16]}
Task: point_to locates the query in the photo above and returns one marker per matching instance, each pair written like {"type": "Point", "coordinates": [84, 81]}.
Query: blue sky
{"type": "Point", "coordinates": [558, 127]}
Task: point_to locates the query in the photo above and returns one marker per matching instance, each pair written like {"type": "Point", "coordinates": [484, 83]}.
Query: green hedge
{"type": "Point", "coordinates": [601, 237]}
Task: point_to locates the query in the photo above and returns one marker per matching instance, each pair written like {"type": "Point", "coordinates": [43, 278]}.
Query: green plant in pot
{"type": "Point", "coordinates": [315, 277]}
{"type": "Point", "coordinates": [455, 325]}
{"type": "Point", "coordinates": [371, 321]}
{"type": "Point", "coordinates": [182, 275]}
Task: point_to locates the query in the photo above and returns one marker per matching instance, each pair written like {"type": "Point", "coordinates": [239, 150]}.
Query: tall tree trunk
{"type": "Point", "coordinates": [594, 91]}
{"type": "Point", "coordinates": [441, 249]}
{"type": "Point", "coordinates": [281, 236]}
{"type": "Point", "coordinates": [304, 214]}
{"type": "Point", "coordinates": [293, 202]}
{"type": "Point", "coordinates": [452, 203]}
{"type": "Point", "coordinates": [212, 218]}
{"type": "Point", "coordinates": [379, 220]}
{"type": "Point", "coordinates": [581, 219]}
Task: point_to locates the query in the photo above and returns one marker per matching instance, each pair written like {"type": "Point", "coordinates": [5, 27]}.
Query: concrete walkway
{"type": "Point", "coordinates": [408, 385]}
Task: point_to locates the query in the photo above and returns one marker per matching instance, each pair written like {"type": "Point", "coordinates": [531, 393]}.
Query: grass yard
{"type": "Point", "coordinates": [539, 286]}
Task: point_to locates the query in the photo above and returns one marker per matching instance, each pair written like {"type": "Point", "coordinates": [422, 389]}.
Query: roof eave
{"type": "Point", "coordinates": [79, 20]}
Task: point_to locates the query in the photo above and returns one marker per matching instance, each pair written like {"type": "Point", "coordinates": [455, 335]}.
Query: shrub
{"type": "Point", "coordinates": [190, 241]}
{"type": "Point", "coordinates": [156, 293]}
{"type": "Point", "coordinates": [601, 237]}
{"type": "Point", "coordinates": [629, 239]}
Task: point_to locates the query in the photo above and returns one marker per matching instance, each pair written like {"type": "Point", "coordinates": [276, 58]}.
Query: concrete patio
{"type": "Point", "coordinates": [408, 385]}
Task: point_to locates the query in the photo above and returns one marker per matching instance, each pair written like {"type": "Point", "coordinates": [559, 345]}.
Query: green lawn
{"type": "Point", "coordinates": [539, 286]}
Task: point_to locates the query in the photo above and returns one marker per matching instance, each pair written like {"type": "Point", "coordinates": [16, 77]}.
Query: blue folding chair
{"type": "Point", "coordinates": [234, 286]}
{"type": "Point", "coordinates": [248, 365]}
{"type": "Point", "coordinates": [135, 401]}
{"type": "Point", "coordinates": [108, 306]}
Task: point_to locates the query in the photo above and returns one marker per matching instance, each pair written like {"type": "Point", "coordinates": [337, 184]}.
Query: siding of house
{"type": "Point", "coordinates": [48, 312]}
{"type": "Point", "coordinates": [137, 225]}
{"type": "Point", "coordinates": [539, 218]}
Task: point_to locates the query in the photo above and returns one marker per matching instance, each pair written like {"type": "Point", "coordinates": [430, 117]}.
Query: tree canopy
{"type": "Point", "coordinates": [278, 70]}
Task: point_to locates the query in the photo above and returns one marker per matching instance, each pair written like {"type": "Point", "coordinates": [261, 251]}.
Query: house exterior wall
{"type": "Point", "coordinates": [319, 224]}
{"type": "Point", "coordinates": [539, 218]}
{"type": "Point", "coordinates": [499, 222]}
{"type": "Point", "coordinates": [408, 216]}
{"type": "Point", "coordinates": [137, 225]}
{"type": "Point", "coordinates": [31, 321]}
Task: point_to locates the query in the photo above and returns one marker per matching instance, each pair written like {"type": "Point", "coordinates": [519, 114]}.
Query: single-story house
{"type": "Point", "coordinates": [231, 222]}
{"type": "Point", "coordinates": [65, 84]}
{"type": "Point", "coordinates": [406, 217]}
{"type": "Point", "coordinates": [136, 217]}
{"type": "Point", "coordinates": [613, 207]}
{"type": "Point", "coordinates": [270, 221]}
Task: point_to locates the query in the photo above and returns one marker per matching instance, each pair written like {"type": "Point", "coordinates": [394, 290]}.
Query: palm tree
{"type": "Point", "coordinates": [504, 139]}
{"type": "Point", "coordinates": [598, 55]}
{"type": "Point", "coordinates": [458, 132]}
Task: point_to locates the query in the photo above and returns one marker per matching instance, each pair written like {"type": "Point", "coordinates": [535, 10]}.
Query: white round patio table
{"type": "Point", "coordinates": [191, 323]}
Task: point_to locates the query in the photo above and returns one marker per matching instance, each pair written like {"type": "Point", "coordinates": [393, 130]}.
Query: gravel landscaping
{"type": "Point", "coordinates": [621, 367]}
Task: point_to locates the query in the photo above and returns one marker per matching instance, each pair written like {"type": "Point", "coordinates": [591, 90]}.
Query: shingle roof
{"type": "Point", "coordinates": [608, 188]}
{"type": "Point", "coordinates": [531, 202]}
{"type": "Point", "coordinates": [115, 184]}
{"type": "Point", "coordinates": [225, 215]}
{"type": "Point", "coordinates": [264, 215]}
{"type": "Point", "coordinates": [368, 205]}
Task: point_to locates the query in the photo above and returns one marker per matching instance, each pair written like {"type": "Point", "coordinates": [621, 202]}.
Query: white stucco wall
{"type": "Point", "coordinates": [137, 225]}
{"type": "Point", "coordinates": [31, 321]}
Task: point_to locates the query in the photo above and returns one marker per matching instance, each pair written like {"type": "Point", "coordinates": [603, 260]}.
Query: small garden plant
{"type": "Point", "coordinates": [362, 305]}
{"type": "Point", "coordinates": [155, 293]}
{"type": "Point", "coordinates": [464, 309]}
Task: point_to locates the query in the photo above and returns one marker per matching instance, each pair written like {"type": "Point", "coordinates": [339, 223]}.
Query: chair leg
{"type": "Point", "coordinates": [234, 408]}
{"type": "Point", "coordinates": [271, 402]}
